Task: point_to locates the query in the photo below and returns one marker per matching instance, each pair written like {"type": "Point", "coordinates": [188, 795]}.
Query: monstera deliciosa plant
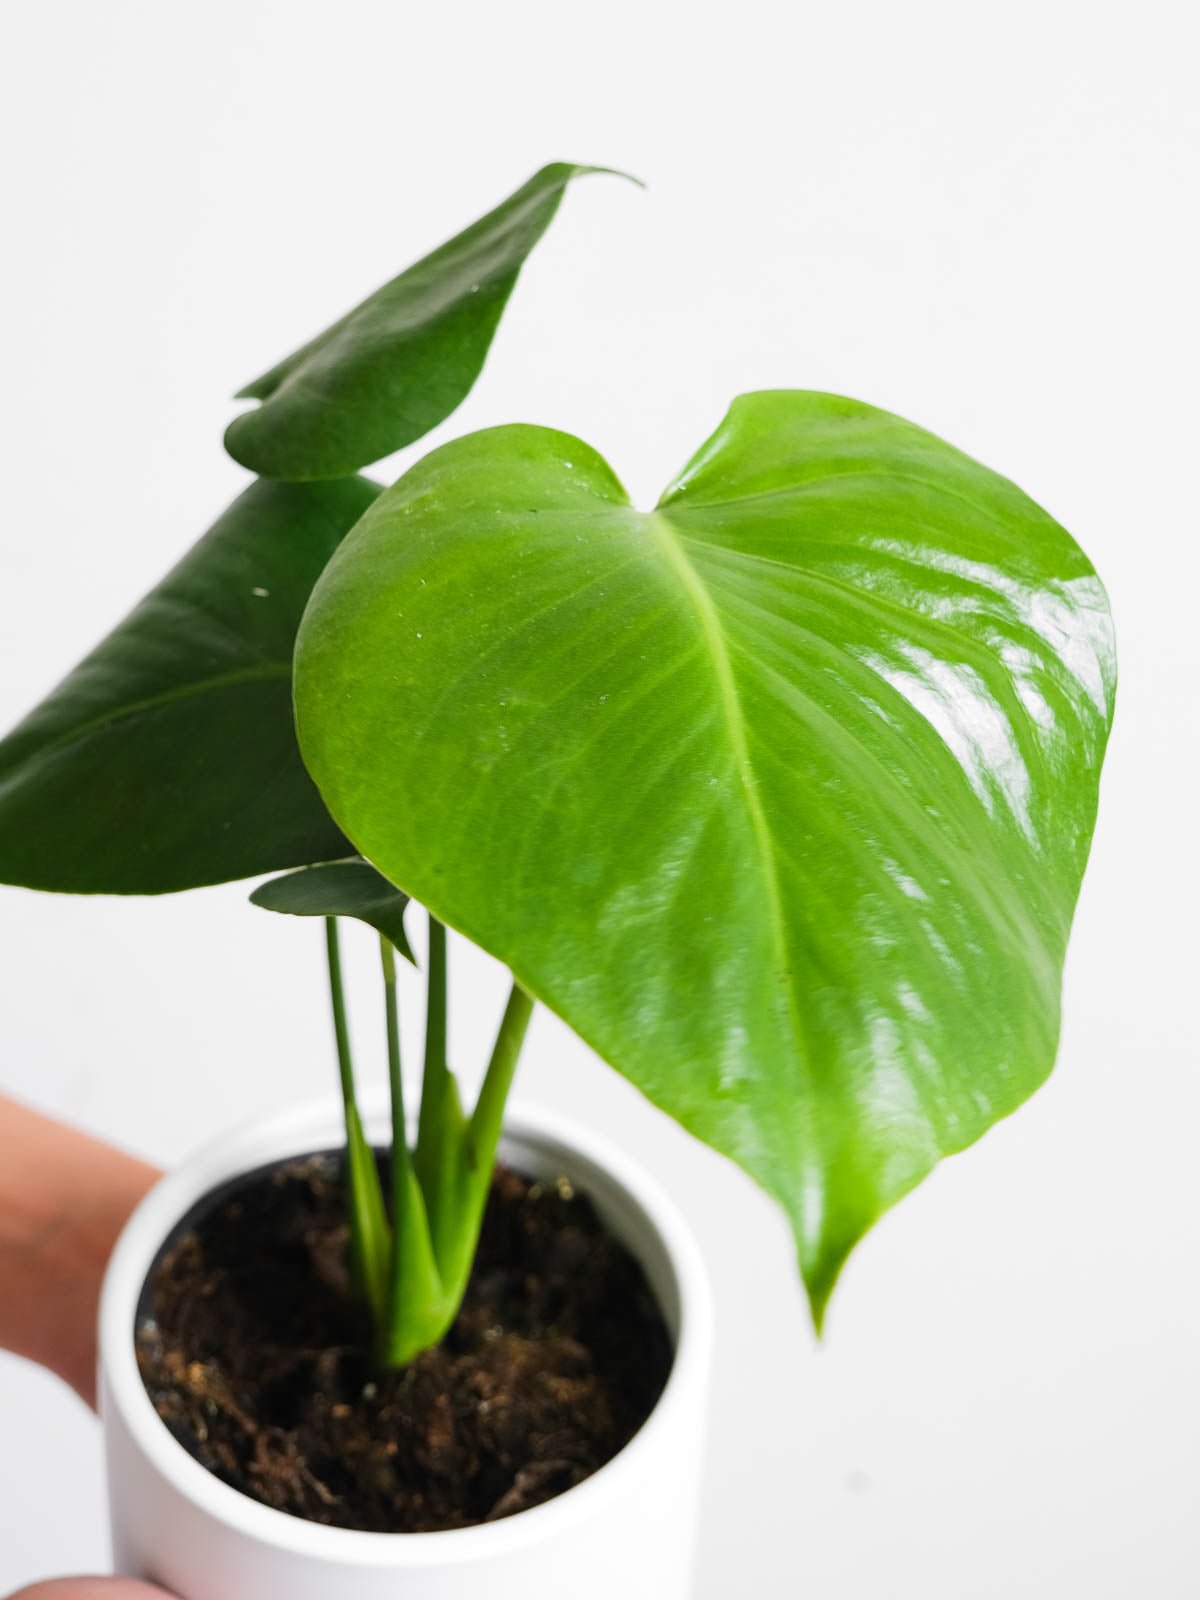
{"type": "Point", "coordinates": [780, 794]}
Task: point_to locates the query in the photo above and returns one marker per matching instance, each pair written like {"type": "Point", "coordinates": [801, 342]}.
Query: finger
{"type": "Point", "coordinates": [90, 1589]}
{"type": "Point", "coordinates": [64, 1198]}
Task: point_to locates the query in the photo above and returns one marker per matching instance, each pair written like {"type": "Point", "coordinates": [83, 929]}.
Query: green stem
{"type": "Point", "coordinates": [395, 1078]}
{"type": "Point", "coordinates": [416, 1312]}
{"type": "Point", "coordinates": [481, 1135]}
{"type": "Point", "coordinates": [438, 1156]}
{"type": "Point", "coordinates": [369, 1244]}
{"type": "Point", "coordinates": [435, 1017]}
{"type": "Point", "coordinates": [439, 1191]}
{"type": "Point", "coordinates": [338, 1001]}
{"type": "Point", "coordinates": [484, 1132]}
{"type": "Point", "coordinates": [435, 1080]}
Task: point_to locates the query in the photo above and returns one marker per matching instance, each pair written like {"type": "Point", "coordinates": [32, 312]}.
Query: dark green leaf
{"type": "Point", "coordinates": [168, 758]}
{"type": "Point", "coordinates": [340, 889]}
{"type": "Point", "coordinates": [399, 364]}
{"type": "Point", "coordinates": [780, 794]}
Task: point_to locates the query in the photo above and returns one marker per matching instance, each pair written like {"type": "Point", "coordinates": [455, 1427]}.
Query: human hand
{"type": "Point", "coordinates": [63, 1200]}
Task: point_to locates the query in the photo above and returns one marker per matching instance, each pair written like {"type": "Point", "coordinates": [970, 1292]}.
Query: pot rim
{"type": "Point", "coordinates": [308, 1127]}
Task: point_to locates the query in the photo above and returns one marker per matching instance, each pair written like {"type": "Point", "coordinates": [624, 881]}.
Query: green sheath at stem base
{"type": "Point", "coordinates": [411, 1271]}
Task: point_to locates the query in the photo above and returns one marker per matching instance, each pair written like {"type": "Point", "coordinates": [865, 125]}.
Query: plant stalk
{"type": "Point", "coordinates": [484, 1130]}
{"type": "Point", "coordinates": [369, 1246]}
{"type": "Point", "coordinates": [416, 1315]}
{"type": "Point", "coordinates": [337, 999]}
{"type": "Point", "coordinates": [477, 1146]}
{"type": "Point", "coordinates": [441, 1125]}
{"type": "Point", "coordinates": [414, 1273]}
{"type": "Point", "coordinates": [439, 1096]}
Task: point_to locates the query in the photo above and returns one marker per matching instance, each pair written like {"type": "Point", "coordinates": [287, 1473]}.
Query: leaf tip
{"type": "Point", "coordinates": [584, 169]}
{"type": "Point", "coordinates": [618, 172]}
{"type": "Point", "coordinates": [820, 1255]}
{"type": "Point", "coordinates": [819, 1288]}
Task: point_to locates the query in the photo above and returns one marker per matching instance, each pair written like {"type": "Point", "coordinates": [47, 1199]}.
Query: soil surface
{"type": "Point", "coordinates": [256, 1357]}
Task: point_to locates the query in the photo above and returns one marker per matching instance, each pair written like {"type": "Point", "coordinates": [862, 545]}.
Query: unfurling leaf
{"type": "Point", "coordinates": [340, 889]}
{"type": "Point", "coordinates": [403, 360]}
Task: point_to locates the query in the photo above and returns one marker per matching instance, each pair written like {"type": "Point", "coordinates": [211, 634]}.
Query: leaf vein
{"type": "Point", "coordinates": [718, 650]}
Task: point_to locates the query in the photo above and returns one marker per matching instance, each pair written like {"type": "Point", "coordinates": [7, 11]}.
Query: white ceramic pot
{"type": "Point", "coordinates": [627, 1531]}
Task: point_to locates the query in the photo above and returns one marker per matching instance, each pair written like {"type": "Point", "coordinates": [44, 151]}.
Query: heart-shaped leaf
{"type": "Point", "coordinates": [398, 364]}
{"type": "Point", "coordinates": [168, 758]}
{"type": "Point", "coordinates": [340, 889]}
{"type": "Point", "coordinates": [779, 794]}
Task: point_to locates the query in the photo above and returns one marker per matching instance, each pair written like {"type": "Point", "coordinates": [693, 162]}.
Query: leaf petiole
{"type": "Point", "coordinates": [370, 1245]}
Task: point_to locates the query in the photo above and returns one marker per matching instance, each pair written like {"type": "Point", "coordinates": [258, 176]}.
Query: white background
{"type": "Point", "coordinates": [981, 216]}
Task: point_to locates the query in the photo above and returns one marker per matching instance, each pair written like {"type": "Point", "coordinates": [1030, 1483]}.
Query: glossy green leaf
{"type": "Point", "coordinates": [402, 361]}
{"type": "Point", "coordinates": [340, 889]}
{"type": "Point", "coordinates": [779, 794]}
{"type": "Point", "coordinates": [168, 758]}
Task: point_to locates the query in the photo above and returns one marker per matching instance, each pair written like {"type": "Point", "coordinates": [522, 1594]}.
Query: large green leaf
{"type": "Point", "coordinates": [779, 794]}
{"type": "Point", "coordinates": [398, 364]}
{"type": "Point", "coordinates": [340, 889]}
{"type": "Point", "coordinates": [168, 757]}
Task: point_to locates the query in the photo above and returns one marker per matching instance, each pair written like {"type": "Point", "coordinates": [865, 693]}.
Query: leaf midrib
{"type": "Point", "coordinates": [258, 674]}
{"type": "Point", "coordinates": [731, 707]}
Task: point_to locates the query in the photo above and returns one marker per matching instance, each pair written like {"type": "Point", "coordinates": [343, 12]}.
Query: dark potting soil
{"type": "Point", "coordinates": [255, 1356]}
